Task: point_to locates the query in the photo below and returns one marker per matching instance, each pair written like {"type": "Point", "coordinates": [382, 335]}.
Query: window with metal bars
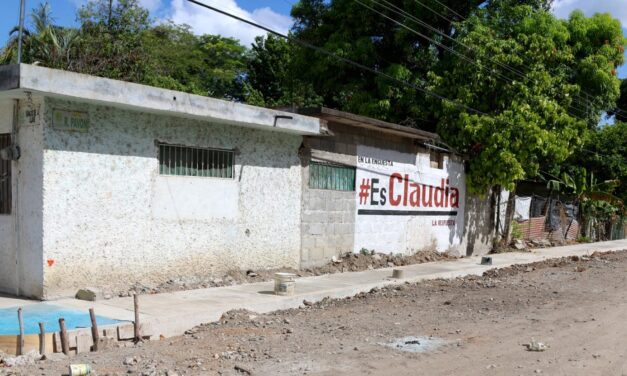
{"type": "Point", "coordinates": [192, 161]}
{"type": "Point", "coordinates": [5, 177]}
{"type": "Point", "coordinates": [331, 176]}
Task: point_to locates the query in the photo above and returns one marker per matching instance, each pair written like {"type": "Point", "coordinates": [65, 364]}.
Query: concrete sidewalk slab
{"type": "Point", "coordinates": [172, 313]}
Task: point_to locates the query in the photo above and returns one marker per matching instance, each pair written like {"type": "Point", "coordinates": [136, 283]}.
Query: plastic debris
{"type": "Point", "coordinates": [536, 346]}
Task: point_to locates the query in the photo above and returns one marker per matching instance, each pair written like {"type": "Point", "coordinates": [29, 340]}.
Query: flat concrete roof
{"type": "Point", "coordinates": [15, 80]}
{"type": "Point", "coordinates": [347, 118]}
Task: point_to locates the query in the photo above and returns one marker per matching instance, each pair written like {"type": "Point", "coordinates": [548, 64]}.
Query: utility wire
{"type": "Point", "coordinates": [347, 61]}
{"type": "Point", "coordinates": [586, 102]}
{"type": "Point", "coordinates": [498, 75]}
{"type": "Point", "coordinates": [450, 9]}
{"type": "Point", "coordinates": [447, 48]}
{"type": "Point", "coordinates": [404, 13]}
{"type": "Point", "coordinates": [340, 58]}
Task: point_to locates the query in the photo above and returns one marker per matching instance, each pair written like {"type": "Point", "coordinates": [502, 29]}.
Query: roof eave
{"type": "Point", "coordinates": [120, 94]}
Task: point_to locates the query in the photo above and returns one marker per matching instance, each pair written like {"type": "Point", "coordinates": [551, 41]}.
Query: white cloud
{"type": "Point", "coordinates": [618, 8]}
{"type": "Point", "coordinates": [205, 21]}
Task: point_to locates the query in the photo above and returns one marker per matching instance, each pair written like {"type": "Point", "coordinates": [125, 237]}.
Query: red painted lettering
{"type": "Point", "coordinates": [414, 197]}
{"type": "Point", "coordinates": [439, 195]}
{"type": "Point", "coordinates": [405, 190]}
{"type": "Point", "coordinates": [394, 201]}
{"type": "Point", "coordinates": [426, 203]}
{"type": "Point", "coordinates": [454, 197]}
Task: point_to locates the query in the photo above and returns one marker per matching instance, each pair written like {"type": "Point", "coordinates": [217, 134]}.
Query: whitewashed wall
{"type": "Point", "coordinates": [110, 219]}
{"type": "Point", "coordinates": [388, 222]}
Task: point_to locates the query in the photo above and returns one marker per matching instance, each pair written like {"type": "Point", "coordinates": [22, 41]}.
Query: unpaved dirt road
{"type": "Point", "coordinates": [577, 307]}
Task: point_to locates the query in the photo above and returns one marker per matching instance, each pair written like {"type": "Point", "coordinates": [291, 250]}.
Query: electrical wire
{"type": "Point", "coordinates": [586, 101]}
{"type": "Point", "coordinates": [347, 61]}
{"type": "Point", "coordinates": [504, 78]}
{"type": "Point", "coordinates": [340, 58]}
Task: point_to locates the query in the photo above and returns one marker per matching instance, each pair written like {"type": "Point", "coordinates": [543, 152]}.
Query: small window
{"type": "Point", "coordinates": [436, 159]}
{"type": "Point", "coordinates": [192, 161]}
{"type": "Point", "coordinates": [331, 176]}
{"type": "Point", "coordinates": [5, 177]}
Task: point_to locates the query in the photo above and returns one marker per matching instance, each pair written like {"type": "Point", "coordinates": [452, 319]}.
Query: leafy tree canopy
{"type": "Point", "coordinates": [562, 78]}
{"type": "Point", "coordinates": [539, 84]}
{"type": "Point", "coordinates": [119, 40]}
{"type": "Point", "coordinates": [272, 80]}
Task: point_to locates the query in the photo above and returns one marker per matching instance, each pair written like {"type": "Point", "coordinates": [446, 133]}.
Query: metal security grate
{"type": "Point", "coordinates": [192, 161]}
{"type": "Point", "coordinates": [331, 176]}
{"type": "Point", "coordinates": [5, 177]}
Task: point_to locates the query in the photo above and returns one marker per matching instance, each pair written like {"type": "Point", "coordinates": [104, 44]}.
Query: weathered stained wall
{"type": "Point", "coordinates": [28, 198]}
{"type": "Point", "coordinates": [21, 232]}
{"type": "Point", "coordinates": [333, 221]}
{"type": "Point", "coordinates": [111, 219]}
{"type": "Point", "coordinates": [8, 282]}
{"type": "Point", "coordinates": [479, 225]}
{"type": "Point", "coordinates": [408, 205]}
{"type": "Point", "coordinates": [329, 225]}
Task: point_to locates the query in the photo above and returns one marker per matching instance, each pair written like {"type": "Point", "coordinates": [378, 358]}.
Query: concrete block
{"type": "Point", "coordinates": [308, 242]}
{"type": "Point", "coordinates": [71, 336]}
{"type": "Point", "coordinates": [56, 341]}
{"type": "Point", "coordinates": [321, 242]}
{"type": "Point", "coordinates": [146, 330]}
{"type": "Point", "coordinates": [351, 149]}
{"type": "Point", "coordinates": [84, 342]}
{"type": "Point", "coordinates": [90, 294]}
{"type": "Point", "coordinates": [316, 229]}
{"type": "Point", "coordinates": [56, 338]}
{"type": "Point", "coordinates": [111, 333]}
{"type": "Point", "coordinates": [304, 254]}
{"type": "Point", "coordinates": [316, 254]}
{"type": "Point", "coordinates": [126, 331]}
{"type": "Point", "coordinates": [330, 251]}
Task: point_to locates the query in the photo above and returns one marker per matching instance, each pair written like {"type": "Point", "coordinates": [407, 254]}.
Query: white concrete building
{"type": "Point", "coordinates": [118, 183]}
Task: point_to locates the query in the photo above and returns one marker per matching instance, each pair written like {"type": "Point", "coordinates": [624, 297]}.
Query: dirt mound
{"type": "Point", "coordinates": [349, 262]}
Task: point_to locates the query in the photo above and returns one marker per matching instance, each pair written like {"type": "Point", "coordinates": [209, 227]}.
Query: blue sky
{"type": "Point", "coordinates": [272, 13]}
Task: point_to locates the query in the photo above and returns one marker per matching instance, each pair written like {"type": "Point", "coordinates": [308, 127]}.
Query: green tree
{"type": "Point", "coordinates": [111, 40]}
{"type": "Point", "coordinates": [621, 104]}
{"type": "Point", "coordinates": [351, 29]}
{"type": "Point", "coordinates": [598, 206]}
{"type": "Point", "coordinates": [604, 155]}
{"type": "Point", "coordinates": [206, 65]}
{"type": "Point", "coordinates": [44, 43]}
{"type": "Point", "coordinates": [271, 78]}
{"type": "Point", "coordinates": [539, 116]}
{"type": "Point", "coordinates": [117, 39]}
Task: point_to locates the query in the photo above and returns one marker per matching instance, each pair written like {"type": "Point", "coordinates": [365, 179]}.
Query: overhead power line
{"type": "Point", "coordinates": [502, 77]}
{"type": "Point", "coordinates": [348, 61]}
{"type": "Point", "coordinates": [340, 58]}
{"type": "Point", "coordinates": [584, 101]}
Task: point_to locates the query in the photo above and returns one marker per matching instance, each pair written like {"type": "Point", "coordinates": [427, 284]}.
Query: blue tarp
{"type": "Point", "coordinates": [49, 314]}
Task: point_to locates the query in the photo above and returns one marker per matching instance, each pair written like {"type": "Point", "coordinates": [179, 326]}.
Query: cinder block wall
{"type": "Point", "coordinates": [327, 224]}
{"type": "Point", "coordinates": [328, 217]}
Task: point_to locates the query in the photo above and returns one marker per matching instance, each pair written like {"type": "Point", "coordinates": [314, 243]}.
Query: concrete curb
{"type": "Point", "coordinates": [171, 314]}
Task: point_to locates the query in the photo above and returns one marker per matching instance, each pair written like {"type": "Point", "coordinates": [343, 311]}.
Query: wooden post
{"type": "Point", "coordinates": [20, 319]}
{"type": "Point", "coordinates": [136, 323]}
{"type": "Point", "coordinates": [65, 346]}
{"type": "Point", "coordinates": [42, 339]}
{"type": "Point", "coordinates": [94, 329]}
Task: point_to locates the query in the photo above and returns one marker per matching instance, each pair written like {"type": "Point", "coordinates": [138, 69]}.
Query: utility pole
{"type": "Point", "coordinates": [21, 32]}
